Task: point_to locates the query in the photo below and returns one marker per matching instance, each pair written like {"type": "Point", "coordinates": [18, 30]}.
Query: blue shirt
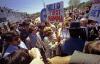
{"type": "Point", "coordinates": [10, 49]}
{"type": "Point", "coordinates": [33, 38]}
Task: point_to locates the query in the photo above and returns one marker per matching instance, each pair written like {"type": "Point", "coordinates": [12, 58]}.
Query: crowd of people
{"type": "Point", "coordinates": [50, 43]}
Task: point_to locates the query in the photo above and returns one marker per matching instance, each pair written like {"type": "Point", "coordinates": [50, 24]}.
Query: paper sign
{"type": "Point", "coordinates": [94, 13]}
{"type": "Point", "coordinates": [95, 1]}
{"type": "Point", "coordinates": [55, 12]}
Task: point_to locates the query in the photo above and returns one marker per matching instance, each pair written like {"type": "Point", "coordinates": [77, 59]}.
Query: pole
{"type": "Point", "coordinates": [43, 3]}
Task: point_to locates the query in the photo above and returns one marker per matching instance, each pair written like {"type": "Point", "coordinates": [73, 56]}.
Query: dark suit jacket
{"type": "Point", "coordinates": [71, 45]}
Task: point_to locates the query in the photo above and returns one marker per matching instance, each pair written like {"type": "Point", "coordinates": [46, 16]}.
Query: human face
{"type": "Point", "coordinates": [35, 29]}
{"type": "Point", "coordinates": [16, 40]}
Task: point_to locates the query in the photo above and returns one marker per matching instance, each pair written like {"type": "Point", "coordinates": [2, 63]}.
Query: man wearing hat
{"type": "Point", "coordinates": [74, 42]}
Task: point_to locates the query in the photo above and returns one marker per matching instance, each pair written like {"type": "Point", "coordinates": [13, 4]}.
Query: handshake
{"type": "Point", "coordinates": [37, 58]}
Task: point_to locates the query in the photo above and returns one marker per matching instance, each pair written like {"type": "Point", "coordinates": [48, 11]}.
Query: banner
{"type": "Point", "coordinates": [43, 15]}
{"type": "Point", "coordinates": [55, 12]}
{"type": "Point", "coordinates": [95, 1]}
{"type": "Point", "coordinates": [94, 13]}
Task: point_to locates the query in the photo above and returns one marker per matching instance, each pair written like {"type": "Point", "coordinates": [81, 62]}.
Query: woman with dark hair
{"type": "Point", "coordinates": [20, 56]}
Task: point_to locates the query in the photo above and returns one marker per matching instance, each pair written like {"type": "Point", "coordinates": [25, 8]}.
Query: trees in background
{"type": "Point", "coordinates": [74, 3]}
{"type": "Point", "coordinates": [77, 4]}
{"type": "Point", "coordinates": [84, 4]}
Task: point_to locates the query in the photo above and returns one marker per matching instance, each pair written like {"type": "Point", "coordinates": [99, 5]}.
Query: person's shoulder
{"type": "Point", "coordinates": [73, 40]}
{"type": "Point", "coordinates": [79, 40]}
{"type": "Point", "coordinates": [22, 45]}
{"type": "Point", "coordinates": [11, 48]}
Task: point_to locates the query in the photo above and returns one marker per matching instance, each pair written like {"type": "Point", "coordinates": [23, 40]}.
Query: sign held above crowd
{"type": "Point", "coordinates": [94, 13]}
{"type": "Point", "coordinates": [55, 12]}
{"type": "Point", "coordinates": [95, 1]}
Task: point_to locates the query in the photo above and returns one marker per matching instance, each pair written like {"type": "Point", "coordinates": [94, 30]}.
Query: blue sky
{"type": "Point", "coordinates": [29, 6]}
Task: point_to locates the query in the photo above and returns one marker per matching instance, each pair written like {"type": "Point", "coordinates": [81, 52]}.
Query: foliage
{"type": "Point", "coordinates": [81, 5]}
{"type": "Point", "coordinates": [84, 4]}
{"type": "Point", "coordinates": [74, 3]}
